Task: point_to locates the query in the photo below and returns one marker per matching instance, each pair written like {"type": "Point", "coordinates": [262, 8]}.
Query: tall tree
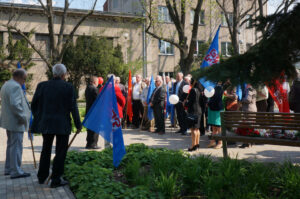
{"type": "Point", "coordinates": [177, 10]}
{"type": "Point", "coordinates": [57, 46]}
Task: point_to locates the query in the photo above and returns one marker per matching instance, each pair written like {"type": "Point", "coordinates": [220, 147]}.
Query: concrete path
{"type": "Point", "coordinates": [29, 188]}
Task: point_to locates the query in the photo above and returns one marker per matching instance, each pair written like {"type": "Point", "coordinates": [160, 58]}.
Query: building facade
{"type": "Point", "coordinates": [123, 23]}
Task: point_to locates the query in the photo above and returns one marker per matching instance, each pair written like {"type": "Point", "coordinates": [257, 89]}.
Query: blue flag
{"type": "Point", "coordinates": [212, 57]}
{"type": "Point", "coordinates": [103, 118]}
{"type": "Point", "coordinates": [150, 91]}
{"type": "Point", "coordinates": [239, 92]}
{"type": "Point", "coordinates": [168, 105]}
{"type": "Point", "coordinates": [30, 135]}
{"type": "Point", "coordinates": [172, 107]}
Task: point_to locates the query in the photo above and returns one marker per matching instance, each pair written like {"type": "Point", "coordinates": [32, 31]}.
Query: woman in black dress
{"type": "Point", "coordinates": [194, 113]}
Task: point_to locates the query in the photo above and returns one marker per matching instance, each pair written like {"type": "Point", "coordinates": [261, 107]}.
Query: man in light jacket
{"type": "Point", "coordinates": [15, 116]}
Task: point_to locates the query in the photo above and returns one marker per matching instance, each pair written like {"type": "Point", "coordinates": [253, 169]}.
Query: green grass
{"type": "Point", "coordinates": [82, 114]}
{"type": "Point", "coordinates": [161, 173]}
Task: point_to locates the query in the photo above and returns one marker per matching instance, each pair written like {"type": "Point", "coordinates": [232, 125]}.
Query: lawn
{"type": "Point", "coordinates": [161, 173]}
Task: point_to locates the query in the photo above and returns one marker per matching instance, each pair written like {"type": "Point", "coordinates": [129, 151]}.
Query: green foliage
{"type": "Point", "coordinates": [18, 51]}
{"type": "Point", "coordinates": [144, 174]}
{"type": "Point", "coordinates": [275, 53]}
{"type": "Point", "coordinates": [93, 56]}
{"type": "Point", "coordinates": [82, 115]}
{"type": "Point", "coordinates": [167, 185]}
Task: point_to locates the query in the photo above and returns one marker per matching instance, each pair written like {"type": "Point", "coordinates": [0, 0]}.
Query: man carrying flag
{"type": "Point", "coordinates": [103, 118]}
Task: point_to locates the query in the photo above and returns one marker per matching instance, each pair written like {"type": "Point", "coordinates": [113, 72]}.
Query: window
{"type": "Point", "coordinates": [201, 17]}
{"type": "Point", "coordinates": [198, 47]}
{"type": "Point", "coordinates": [170, 74]}
{"type": "Point", "coordinates": [248, 46]}
{"type": "Point", "coordinates": [223, 19]}
{"type": "Point", "coordinates": [249, 21]}
{"type": "Point", "coordinates": [226, 49]}
{"type": "Point", "coordinates": [163, 14]}
{"type": "Point", "coordinates": [43, 43]}
{"type": "Point", "coordinates": [1, 39]}
{"type": "Point", "coordinates": [165, 48]}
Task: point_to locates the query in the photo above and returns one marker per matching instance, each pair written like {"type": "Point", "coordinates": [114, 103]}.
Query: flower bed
{"type": "Point", "coordinates": [161, 173]}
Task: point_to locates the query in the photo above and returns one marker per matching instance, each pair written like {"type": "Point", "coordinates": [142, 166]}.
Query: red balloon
{"type": "Point", "coordinates": [100, 80]}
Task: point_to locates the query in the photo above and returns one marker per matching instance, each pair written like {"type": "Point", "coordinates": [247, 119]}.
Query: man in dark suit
{"type": "Point", "coordinates": [52, 104]}
{"type": "Point", "coordinates": [157, 102]}
{"type": "Point", "coordinates": [181, 114]}
{"type": "Point", "coordinates": [91, 93]}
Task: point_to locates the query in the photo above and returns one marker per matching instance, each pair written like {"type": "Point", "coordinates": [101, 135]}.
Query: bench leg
{"type": "Point", "coordinates": [225, 153]}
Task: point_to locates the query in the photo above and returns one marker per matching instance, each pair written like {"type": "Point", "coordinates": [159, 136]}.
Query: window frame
{"type": "Point", "coordinates": [196, 53]}
{"type": "Point", "coordinates": [165, 52]}
{"type": "Point", "coordinates": [227, 45]}
{"type": "Point", "coordinates": [223, 19]}
{"type": "Point", "coordinates": [164, 15]}
{"type": "Point", "coordinates": [201, 17]}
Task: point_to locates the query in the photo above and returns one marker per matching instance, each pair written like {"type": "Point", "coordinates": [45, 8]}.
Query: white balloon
{"type": "Point", "coordinates": [174, 99]}
{"type": "Point", "coordinates": [186, 88]}
{"type": "Point", "coordinates": [209, 92]}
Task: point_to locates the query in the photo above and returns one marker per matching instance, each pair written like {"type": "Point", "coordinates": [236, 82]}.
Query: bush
{"type": "Point", "coordinates": [161, 173]}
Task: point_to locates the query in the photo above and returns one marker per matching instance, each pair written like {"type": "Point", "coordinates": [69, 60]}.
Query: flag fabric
{"type": "Point", "coordinates": [103, 118]}
{"type": "Point", "coordinates": [30, 135]}
{"type": "Point", "coordinates": [129, 98]}
{"type": "Point", "coordinates": [168, 104]}
{"type": "Point", "coordinates": [279, 95]}
{"type": "Point", "coordinates": [212, 57]}
{"type": "Point", "coordinates": [239, 92]}
{"type": "Point", "coordinates": [150, 91]}
{"type": "Point", "coordinates": [172, 109]}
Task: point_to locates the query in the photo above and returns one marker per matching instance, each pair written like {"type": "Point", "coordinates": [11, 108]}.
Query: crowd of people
{"type": "Point", "coordinates": [54, 102]}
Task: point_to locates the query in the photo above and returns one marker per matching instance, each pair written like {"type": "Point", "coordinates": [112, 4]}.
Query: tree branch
{"type": "Point", "coordinates": [62, 26]}
{"type": "Point", "coordinates": [74, 30]}
{"type": "Point", "coordinates": [29, 42]}
{"type": "Point", "coordinates": [164, 38]}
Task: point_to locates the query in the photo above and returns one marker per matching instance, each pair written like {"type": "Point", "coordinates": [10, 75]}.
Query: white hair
{"type": "Point", "coordinates": [188, 78]}
{"type": "Point", "coordinates": [159, 78]}
{"type": "Point", "coordinates": [58, 70]}
{"type": "Point", "coordinates": [118, 79]}
{"type": "Point", "coordinates": [109, 75]}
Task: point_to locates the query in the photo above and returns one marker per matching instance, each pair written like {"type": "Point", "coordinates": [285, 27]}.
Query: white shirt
{"type": "Point", "coordinates": [136, 95]}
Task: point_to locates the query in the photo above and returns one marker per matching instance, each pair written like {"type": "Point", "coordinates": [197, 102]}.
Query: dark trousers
{"type": "Point", "coordinates": [159, 118]}
{"type": "Point", "coordinates": [262, 106]}
{"type": "Point", "coordinates": [138, 110]}
{"type": "Point", "coordinates": [202, 128]}
{"type": "Point", "coordinates": [59, 159]}
{"type": "Point", "coordinates": [91, 138]}
{"type": "Point", "coordinates": [181, 117]}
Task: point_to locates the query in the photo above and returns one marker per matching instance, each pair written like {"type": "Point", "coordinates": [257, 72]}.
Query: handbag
{"type": "Point", "coordinates": [192, 119]}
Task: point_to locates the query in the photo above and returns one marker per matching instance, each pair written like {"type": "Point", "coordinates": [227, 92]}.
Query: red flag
{"type": "Point", "coordinates": [279, 94]}
{"type": "Point", "coordinates": [129, 98]}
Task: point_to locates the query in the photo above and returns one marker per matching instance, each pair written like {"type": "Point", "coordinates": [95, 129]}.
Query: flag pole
{"type": "Point", "coordinates": [73, 138]}
{"type": "Point", "coordinates": [32, 148]}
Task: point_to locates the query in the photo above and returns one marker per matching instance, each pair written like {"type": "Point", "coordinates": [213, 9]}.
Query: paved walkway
{"type": "Point", "coordinates": [29, 188]}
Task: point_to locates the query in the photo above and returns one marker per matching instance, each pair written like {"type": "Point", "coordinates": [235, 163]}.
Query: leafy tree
{"type": "Point", "coordinates": [17, 51]}
{"type": "Point", "coordinates": [93, 56]}
{"type": "Point", "coordinates": [277, 52]}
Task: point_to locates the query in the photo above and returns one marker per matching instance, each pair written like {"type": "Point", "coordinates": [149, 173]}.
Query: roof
{"type": "Point", "coordinates": [59, 10]}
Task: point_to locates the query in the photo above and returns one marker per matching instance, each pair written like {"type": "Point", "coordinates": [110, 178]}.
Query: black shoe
{"type": "Point", "coordinates": [95, 147]}
{"type": "Point", "coordinates": [244, 146]}
{"type": "Point", "coordinates": [161, 133]}
{"type": "Point", "coordinates": [184, 133]}
{"type": "Point", "coordinates": [41, 181]}
{"type": "Point", "coordinates": [6, 174]}
{"type": "Point", "coordinates": [194, 148]}
{"type": "Point", "coordinates": [24, 175]}
{"type": "Point", "coordinates": [59, 184]}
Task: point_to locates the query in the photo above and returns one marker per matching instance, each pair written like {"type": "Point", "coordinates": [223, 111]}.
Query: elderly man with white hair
{"type": "Point", "coordinates": [157, 102]}
{"type": "Point", "coordinates": [52, 105]}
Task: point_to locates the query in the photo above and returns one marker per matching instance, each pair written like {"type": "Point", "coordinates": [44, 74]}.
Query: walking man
{"type": "Point", "coordinates": [15, 116]}
{"type": "Point", "coordinates": [52, 104]}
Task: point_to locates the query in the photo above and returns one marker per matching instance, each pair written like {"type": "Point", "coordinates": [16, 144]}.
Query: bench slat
{"type": "Point", "coordinates": [258, 140]}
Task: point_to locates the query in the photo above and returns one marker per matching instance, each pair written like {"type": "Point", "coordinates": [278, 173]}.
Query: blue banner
{"type": "Point", "coordinates": [150, 91]}
{"type": "Point", "coordinates": [103, 118]}
{"type": "Point", "coordinates": [212, 57]}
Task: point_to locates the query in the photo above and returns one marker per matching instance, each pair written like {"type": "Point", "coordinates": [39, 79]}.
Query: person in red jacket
{"type": "Point", "coordinates": [120, 97]}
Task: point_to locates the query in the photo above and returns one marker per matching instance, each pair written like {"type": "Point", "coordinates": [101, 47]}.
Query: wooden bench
{"type": "Point", "coordinates": [257, 120]}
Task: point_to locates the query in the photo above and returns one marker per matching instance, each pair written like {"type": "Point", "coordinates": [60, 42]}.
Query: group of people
{"type": "Point", "coordinates": [54, 102]}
